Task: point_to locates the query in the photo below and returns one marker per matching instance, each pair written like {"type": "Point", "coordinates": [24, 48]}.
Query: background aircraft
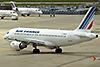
{"type": "Point", "coordinates": [25, 11]}
{"type": "Point", "coordinates": [8, 13]}
{"type": "Point", "coordinates": [51, 38]}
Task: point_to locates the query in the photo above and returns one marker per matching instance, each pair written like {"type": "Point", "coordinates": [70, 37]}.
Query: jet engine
{"type": "Point", "coordinates": [15, 9]}
{"type": "Point", "coordinates": [15, 45]}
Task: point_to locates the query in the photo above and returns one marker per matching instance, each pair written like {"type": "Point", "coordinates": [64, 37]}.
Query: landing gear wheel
{"type": "Point", "coordinates": [2, 17]}
{"type": "Point", "coordinates": [28, 14]}
{"type": "Point", "coordinates": [58, 50]}
{"type": "Point", "coordinates": [23, 15]}
{"type": "Point", "coordinates": [36, 51]}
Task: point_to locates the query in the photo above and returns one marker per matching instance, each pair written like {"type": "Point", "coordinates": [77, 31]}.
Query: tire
{"type": "Point", "coordinates": [36, 51]}
{"type": "Point", "coordinates": [58, 50]}
{"type": "Point", "coordinates": [28, 14]}
{"type": "Point", "coordinates": [2, 17]}
{"type": "Point", "coordinates": [23, 15]}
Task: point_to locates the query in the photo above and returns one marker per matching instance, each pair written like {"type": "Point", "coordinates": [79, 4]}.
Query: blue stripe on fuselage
{"type": "Point", "coordinates": [87, 18]}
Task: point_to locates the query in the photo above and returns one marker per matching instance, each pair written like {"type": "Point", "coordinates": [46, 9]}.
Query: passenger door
{"type": "Point", "coordinates": [70, 38]}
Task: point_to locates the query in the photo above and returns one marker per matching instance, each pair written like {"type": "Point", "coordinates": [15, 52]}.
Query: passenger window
{"type": "Point", "coordinates": [10, 12]}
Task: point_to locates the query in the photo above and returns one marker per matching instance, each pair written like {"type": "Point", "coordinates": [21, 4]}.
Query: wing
{"type": "Point", "coordinates": [38, 42]}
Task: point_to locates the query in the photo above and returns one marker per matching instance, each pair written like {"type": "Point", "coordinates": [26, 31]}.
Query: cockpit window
{"type": "Point", "coordinates": [13, 12]}
{"type": "Point", "coordinates": [38, 10]}
{"type": "Point", "coordinates": [7, 32]}
{"type": "Point", "coordinates": [10, 12]}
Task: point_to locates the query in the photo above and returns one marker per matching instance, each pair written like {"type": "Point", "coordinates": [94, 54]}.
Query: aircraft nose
{"type": "Point", "coordinates": [41, 12]}
{"type": "Point", "coordinates": [5, 37]}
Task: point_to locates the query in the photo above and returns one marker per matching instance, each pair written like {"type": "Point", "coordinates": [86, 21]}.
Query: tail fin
{"type": "Point", "coordinates": [87, 22]}
{"type": "Point", "coordinates": [94, 58]}
{"type": "Point", "coordinates": [13, 6]}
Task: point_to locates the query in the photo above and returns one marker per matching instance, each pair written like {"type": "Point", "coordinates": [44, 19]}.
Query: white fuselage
{"type": "Point", "coordinates": [23, 11]}
{"type": "Point", "coordinates": [57, 37]}
{"type": "Point", "coordinates": [29, 11]}
{"type": "Point", "coordinates": [52, 38]}
{"type": "Point", "coordinates": [7, 13]}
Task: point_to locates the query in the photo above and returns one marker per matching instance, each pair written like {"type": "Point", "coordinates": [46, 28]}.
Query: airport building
{"type": "Point", "coordinates": [5, 8]}
{"type": "Point", "coordinates": [55, 9]}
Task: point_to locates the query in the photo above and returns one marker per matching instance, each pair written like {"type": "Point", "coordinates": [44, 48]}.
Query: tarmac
{"type": "Point", "coordinates": [78, 55]}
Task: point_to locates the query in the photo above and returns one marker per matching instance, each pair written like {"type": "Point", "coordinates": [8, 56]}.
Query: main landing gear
{"type": "Point", "coordinates": [2, 17]}
{"type": "Point", "coordinates": [23, 15]}
{"type": "Point", "coordinates": [35, 50]}
{"type": "Point", "coordinates": [58, 50]}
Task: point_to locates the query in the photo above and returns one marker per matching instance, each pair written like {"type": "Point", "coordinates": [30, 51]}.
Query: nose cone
{"type": "Point", "coordinates": [41, 12]}
{"type": "Point", "coordinates": [5, 37]}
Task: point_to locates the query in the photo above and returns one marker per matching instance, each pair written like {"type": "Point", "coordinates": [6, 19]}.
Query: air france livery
{"type": "Point", "coordinates": [8, 13]}
{"type": "Point", "coordinates": [26, 11]}
{"type": "Point", "coordinates": [51, 38]}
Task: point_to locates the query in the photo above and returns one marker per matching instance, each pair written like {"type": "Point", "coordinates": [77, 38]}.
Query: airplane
{"type": "Point", "coordinates": [25, 11]}
{"type": "Point", "coordinates": [52, 38]}
{"type": "Point", "coordinates": [8, 13]}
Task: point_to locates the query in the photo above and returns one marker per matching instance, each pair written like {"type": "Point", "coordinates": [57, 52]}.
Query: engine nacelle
{"type": "Point", "coordinates": [15, 45]}
{"type": "Point", "coordinates": [15, 9]}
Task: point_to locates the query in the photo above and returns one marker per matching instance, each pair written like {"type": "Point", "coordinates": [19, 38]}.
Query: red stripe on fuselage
{"type": "Point", "coordinates": [90, 25]}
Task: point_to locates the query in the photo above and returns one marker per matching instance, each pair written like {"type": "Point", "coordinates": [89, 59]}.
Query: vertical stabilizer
{"type": "Point", "coordinates": [87, 22]}
{"type": "Point", "coordinates": [13, 6]}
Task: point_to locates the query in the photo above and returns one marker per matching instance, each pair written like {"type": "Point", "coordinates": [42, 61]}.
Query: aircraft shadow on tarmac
{"type": "Point", "coordinates": [6, 19]}
{"type": "Point", "coordinates": [84, 54]}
